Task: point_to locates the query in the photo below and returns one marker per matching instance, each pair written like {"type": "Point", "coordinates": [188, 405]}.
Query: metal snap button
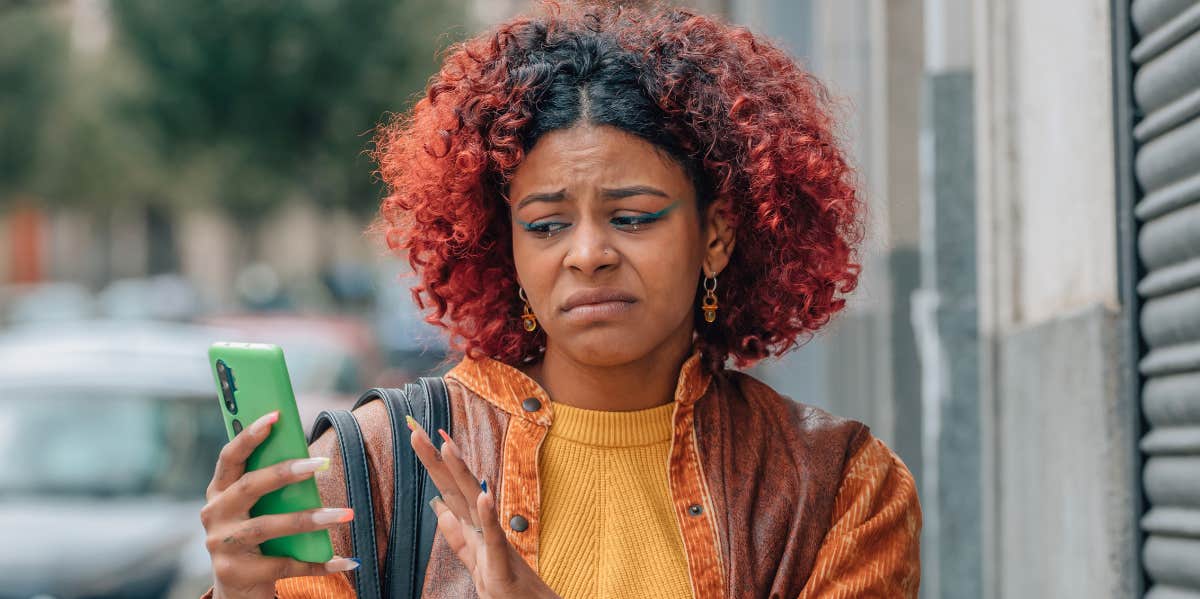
{"type": "Point", "coordinates": [518, 523]}
{"type": "Point", "coordinates": [531, 404]}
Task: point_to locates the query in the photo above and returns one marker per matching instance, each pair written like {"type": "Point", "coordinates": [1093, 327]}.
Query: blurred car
{"type": "Point", "coordinates": [109, 432]}
{"type": "Point", "coordinates": [331, 359]}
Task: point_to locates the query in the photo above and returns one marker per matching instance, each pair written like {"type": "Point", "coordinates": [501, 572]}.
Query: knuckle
{"type": "Point", "coordinates": [243, 487]}
{"type": "Point", "coordinates": [224, 569]}
{"type": "Point", "coordinates": [206, 515]}
{"type": "Point", "coordinates": [283, 569]}
{"type": "Point", "coordinates": [213, 544]}
{"type": "Point", "coordinates": [301, 520]}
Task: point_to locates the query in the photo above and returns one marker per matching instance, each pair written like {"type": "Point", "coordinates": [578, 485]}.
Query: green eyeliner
{"type": "Point", "coordinates": [641, 219]}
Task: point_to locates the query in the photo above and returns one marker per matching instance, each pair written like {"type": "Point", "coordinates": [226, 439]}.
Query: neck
{"type": "Point", "coordinates": [644, 383]}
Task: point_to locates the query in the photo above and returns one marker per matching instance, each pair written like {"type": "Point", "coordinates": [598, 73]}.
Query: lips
{"type": "Point", "coordinates": [598, 296]}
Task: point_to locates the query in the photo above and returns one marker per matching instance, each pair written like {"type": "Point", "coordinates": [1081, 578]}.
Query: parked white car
{"type": "Point", "coordinates": [109, 432]}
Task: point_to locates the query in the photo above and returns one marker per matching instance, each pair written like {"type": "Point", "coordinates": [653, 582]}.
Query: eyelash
{"type": "Point", "coordinates": [548, 229]}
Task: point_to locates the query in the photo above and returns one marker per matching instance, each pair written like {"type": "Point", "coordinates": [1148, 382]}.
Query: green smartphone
{"type": "Point", "coordinates": [252, 380]}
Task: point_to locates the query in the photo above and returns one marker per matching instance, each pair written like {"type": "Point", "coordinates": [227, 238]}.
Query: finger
{"type": "Point", "coordinates": [231, 462]}
{"type": "Point", "coordinates": [286, 567]}
{"type": "Point", "coordinates": [468, 485]}
{"type": "Point", "coordinates": [249, 534]}
{"type": "Point", "coordinates": [452, 529]}
{"type": "Point", "coordinates": [243, 494]}
{"type": "Point", "coordinates": [495, 544]}
{"type": "Point", "coordinates": [436, 466]}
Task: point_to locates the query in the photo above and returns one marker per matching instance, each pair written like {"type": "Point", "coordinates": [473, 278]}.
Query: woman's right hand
{"type": "Point", "coordinates": [240, 570]}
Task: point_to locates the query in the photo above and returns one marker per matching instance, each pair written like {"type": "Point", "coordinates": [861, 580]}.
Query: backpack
{"type": "Point", "coordinates": [413, 525]}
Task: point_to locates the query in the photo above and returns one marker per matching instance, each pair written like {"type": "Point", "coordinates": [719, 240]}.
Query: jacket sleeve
{"type": "Point", "coordinates": [331, 484]}
{"type": "Point", "coordinates": [873, 547]}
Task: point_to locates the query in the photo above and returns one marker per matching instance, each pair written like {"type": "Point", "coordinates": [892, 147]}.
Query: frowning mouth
{"type": "Point", "coordinates": [606, 299]}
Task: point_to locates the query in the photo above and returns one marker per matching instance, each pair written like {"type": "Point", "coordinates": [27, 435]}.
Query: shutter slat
{"type": "Point", "coordinates": [1172, 400]}
{"type": "Point", "coordinates": [1171, 157]}
{"type": "Point", "coordinates": [1172, 115]}
{"type": "Point", "coordinates": [1169, 75]}
{"type": "Point", "coordinates": [1173, 521]}
{"type": "Point", "coordinates": [1168, 35]}
{"type": "Point", "coordinates": [1172, 560]}
{"type": "Point", "coordinates": [1169, 279]}
{"type": "Point", "coordinates": [1172, 319]}
{"type": "Point", "coordinates": [1166, 592]}
{"type": "Point", "coordinates": [1172, 197]}
{"type": "Point", "coordinates": [1173, 480]}
{"type": "Point", "coordinates": [1170, 360]}
{"type": "Point", "coordinates": [1149, 15]}
{"type": "Point", "coordinates": [1178, 440]}
{"type": "Point", "coordinates": [1171, 239]}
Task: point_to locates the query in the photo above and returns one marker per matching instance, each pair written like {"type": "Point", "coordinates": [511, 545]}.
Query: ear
{"type": "Point", "coordinates": [719, 237]}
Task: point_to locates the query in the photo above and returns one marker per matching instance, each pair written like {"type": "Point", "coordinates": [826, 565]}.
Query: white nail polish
{"type": "Point", "coordinates": [341, 564]}
{"type": "Point", "coordinates": [329, 515]}
{"type": "Point", "coordinates": [310, 465]}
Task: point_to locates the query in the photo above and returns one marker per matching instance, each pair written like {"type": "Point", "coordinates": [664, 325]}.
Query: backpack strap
{"type": "Point", "coordinates": [358, 490]}
{"type": "Point", "coordinates": [413, 523]}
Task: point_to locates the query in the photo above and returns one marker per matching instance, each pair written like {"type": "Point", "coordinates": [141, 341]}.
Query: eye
{"type": "Point", "coordinates": [634, 223]}
{"type": "Point", "coordinates": [543, 229]}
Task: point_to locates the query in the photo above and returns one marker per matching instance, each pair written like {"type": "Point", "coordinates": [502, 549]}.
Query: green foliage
{"type": "Point", "coordinates": [257, 102]}
{"type": "Point", "coordinates": [242, 103]}
{"type": "Point", "coordinates": [32, 51]}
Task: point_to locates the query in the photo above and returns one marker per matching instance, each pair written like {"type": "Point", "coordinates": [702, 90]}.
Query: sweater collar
{"type": "Point", "coordinates": [514, 392]}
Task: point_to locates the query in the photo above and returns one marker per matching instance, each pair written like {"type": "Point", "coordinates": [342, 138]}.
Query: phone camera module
{"type": "Point", "coordinates": [225, 375]}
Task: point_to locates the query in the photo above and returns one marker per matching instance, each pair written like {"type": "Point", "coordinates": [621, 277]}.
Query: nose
{"type": "Point", "coordinates": [590, 251]}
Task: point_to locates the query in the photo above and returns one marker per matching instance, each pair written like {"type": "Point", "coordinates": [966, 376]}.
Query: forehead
{"type": "Point", "coordinates": [592, 156]}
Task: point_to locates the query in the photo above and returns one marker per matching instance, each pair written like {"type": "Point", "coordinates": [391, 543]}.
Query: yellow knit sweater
{"type": "Point", "coordinates": [608, 527]}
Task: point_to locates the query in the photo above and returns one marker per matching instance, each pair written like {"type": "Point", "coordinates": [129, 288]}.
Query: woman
{"type": "Point", "coordinates": [603, 209]}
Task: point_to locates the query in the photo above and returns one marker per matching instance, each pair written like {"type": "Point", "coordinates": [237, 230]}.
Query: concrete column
{"type": "Point", "coordinates": [945, 313]}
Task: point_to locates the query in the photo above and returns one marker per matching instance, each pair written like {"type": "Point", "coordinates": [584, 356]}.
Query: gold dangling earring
{"type": "Point", "coordinates": [709, 303]}
{"type": "Point", "coordinates": [528, 318]}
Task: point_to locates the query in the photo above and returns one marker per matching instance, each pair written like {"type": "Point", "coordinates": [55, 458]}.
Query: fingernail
{"type": "Point", "coordinates": [341, 564]}
{"type": "Point", "coordinates": [412, 423]}
{"type": "Point", "coordinates": [445, 436]}
{"type": "Point", "coordinates": [483, 485]}
{"type": "Point", "coordinates": [310, 465]}
{"type": "Point", "coordinates": [331, 515]}
{"type": "Point", "coordinates": [267, 419]}
{"type": "Point", "coordinates": [433, 503]}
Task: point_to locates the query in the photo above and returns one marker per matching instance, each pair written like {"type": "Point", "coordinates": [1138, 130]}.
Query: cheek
{"type": "Point", "coordinates": [670, 268]}
{"type": "Point", "coordinates": [536, 268]}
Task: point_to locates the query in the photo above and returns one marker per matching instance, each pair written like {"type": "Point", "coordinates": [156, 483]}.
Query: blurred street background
{"type": "Point", "coordinates": [1026, 334]}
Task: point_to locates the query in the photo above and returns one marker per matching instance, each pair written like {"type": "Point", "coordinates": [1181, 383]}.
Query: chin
{"type": "Point", "coordinates": [606, 346]}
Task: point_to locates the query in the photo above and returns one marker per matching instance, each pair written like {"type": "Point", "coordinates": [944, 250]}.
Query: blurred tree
{"type": "Point", "coordinates": [33, 49]}
{"type": "Point", "coordinates": [256, 102]}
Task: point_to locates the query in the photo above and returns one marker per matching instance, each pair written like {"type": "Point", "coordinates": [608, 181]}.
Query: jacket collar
{"type": "Point", "coordinates": [511, 390]}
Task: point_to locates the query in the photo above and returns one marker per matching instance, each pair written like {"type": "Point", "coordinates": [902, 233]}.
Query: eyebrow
{"type": "Point", "coordinates": [609, 193]}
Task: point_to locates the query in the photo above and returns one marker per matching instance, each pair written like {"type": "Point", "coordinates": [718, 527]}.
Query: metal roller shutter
{"type": "Point", "coordinates": [1166, 90]}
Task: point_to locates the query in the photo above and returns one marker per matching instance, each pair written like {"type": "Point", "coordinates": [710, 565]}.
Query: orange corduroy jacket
{"type": "Point", "coordinates": [774, 498]}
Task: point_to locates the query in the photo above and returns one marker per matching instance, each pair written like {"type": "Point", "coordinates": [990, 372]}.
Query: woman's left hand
{"type": "Point", "coordinates": [467, 518]}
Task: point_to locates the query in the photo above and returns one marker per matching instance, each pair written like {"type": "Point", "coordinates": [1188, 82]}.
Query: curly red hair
{"type": "Point", "coordinates": [759, 126]}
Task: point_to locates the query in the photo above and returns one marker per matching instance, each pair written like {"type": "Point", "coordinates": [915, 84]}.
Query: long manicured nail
{"type": "Point", "coordinates": [341, 564]}
{"type": "Point", "coordinates": [411, 422]}
{"type": "Point", "coordinates": [433, 503]}
{"type": "Point", "coordinates": [310, 465]}
{"type": "Point", "coordinates": [331, 515]}
{"type": "Point", "coordinates": [483, 485]}
{"type": "Point", "coordinates": [266, 420]}
{"type": "Point", "coordinates": [445, 436]}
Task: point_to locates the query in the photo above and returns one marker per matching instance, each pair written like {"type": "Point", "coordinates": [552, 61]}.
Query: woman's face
{"type": "Point", "coordinates": [608, 244]}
